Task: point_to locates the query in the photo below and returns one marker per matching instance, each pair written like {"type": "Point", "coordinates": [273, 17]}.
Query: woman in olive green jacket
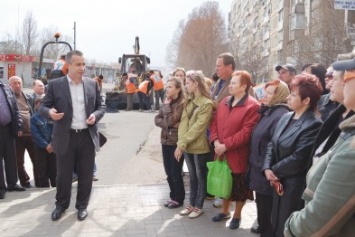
{"type": "Point", "coordinates": [192, 140]}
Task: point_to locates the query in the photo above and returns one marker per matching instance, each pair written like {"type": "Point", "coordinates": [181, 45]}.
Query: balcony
{"type": "Point", "coordinates": [280, 25]}
{"type": "Point", "coordinates": [279, 46]}
{"type": "Point", "coordinates": [266, 19]}
{"type": "Point", "coordinates": [266, 35]}
{"type": "Point", "coordinates": [265, 53]}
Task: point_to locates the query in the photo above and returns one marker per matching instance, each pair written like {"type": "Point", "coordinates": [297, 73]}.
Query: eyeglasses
{"type": "Point", "coordinates": [328, 78]}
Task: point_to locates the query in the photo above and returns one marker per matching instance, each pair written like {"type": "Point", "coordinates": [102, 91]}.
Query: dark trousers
{"type": "Point", "coordinates": [22, 144]}
{"type": "Point", "coordinates": [173, 170]}
{"type": "Point", "coordinates": [47, 168]}
{"type": "Point", "coordinates": [143, 98]}
{"type": "Point", "coordinates": [129, 101]}
{"type": "Point", "coordinates": [159, 94]}
{"type": "Point", "coordinates": [264, 207]}
{"type": "Point", "coordinates": [7, 157]}
{"type": "Point", "coordinates": [196, 164]}
{"type": "Point", "coordinates": [81, 150]}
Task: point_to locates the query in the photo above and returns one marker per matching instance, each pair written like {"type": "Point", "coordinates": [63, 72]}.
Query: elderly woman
{"type": "Point", "coordinates": [192, 140]}
{"type": "Point", "coordinates": [231, 130]}
{"type": "Point", "coordinates": [274, 107]}
{"type": "Point", "coordinates": [330, 191]}
{"type": "Point", "coordinates": [289, 153]}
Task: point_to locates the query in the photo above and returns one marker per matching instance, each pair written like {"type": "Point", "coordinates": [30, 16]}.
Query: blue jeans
{"type": "Point", "coordinates": [173, 170]}
{"type": "Point", "coordinates": [196, 164]}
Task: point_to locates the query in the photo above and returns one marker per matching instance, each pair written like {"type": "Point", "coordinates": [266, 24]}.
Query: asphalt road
{"type": "Point", "coordinates": [124, 159]}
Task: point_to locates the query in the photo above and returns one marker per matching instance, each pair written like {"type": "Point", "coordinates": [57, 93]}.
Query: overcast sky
{"type": "Point", "coordinates": [107, 28]}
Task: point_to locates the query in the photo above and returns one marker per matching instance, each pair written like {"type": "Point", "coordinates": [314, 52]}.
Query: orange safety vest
{"type": "Point", "coordinates": [143, 87]}
{"type": "Point", "coordinates": [158, 82]}
{"type": "Point", "coordinates": [130, 87]}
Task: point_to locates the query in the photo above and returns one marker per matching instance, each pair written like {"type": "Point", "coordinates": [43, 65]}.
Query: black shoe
{"type": "Point", "coordinates": [234, 224]}
{"type": "Point", "coordinates": [82, 214]}
{"type": "Point", "coordinates": [255, 230]}
{"type": "Point", "coordinates": [57, 213]}
{"type": "Point", "coordinates": [2, 193]}
{"type": "Point", "coordinates": [173, 204]}
{"type": "Point", "coordinates": [27, 185]}
{"type": "Point", "coordinates": [16, 188]}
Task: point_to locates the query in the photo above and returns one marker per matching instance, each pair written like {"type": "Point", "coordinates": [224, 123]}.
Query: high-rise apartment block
{"type": "Point", "coordinates": [267, 33]}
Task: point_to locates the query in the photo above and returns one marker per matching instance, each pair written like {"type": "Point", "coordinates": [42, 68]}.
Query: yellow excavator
{"type": "Point", "coordinates": [130, 63]}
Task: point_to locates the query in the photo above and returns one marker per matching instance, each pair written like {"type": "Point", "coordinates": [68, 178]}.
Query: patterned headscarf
{"type": "Point", "coordinates": [281, 93]}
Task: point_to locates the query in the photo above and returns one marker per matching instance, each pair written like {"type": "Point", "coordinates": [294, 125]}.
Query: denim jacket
{"type": "Point", "coordinates": [41, 129]}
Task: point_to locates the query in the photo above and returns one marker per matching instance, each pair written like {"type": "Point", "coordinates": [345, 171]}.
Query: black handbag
{"type": "Point", "coordinates": [102, 139]}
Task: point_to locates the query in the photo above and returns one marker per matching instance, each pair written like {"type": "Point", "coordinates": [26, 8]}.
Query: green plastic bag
{"type": "Point", "coordinates": [219, 178]}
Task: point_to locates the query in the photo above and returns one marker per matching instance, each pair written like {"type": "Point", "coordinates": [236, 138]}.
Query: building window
{"type": "Point", "coordinates": [279, 56]}
{"type": "Point", "coordinates": [280, 36]}
{"type": "Point", "coordinates": [281, 15]}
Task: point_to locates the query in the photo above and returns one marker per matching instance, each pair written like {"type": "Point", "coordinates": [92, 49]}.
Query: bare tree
{"type": "Point", "coordinates": [173, 48]}
{"type": "Point", "coordinates": [10, 45]}
{"type": "Point", "coordinates": [203, 38]}
{"type": "Point", "coordinates": [29, 33]}
{"type": "Point", "coordinates": [254, 62]}
{"type": "Point", "coordinates": [52, 51]}
{"type": "Point", "coordinates": [323, 39]}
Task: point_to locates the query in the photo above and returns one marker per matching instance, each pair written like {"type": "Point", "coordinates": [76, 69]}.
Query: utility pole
{"type": "Point", "coordinates": [74, 35]}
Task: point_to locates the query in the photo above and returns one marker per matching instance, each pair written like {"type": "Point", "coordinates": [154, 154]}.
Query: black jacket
{"type": "Point", "coordinates": [326, 106]}
{"type": "Point", "coordinates": [15, 113]}
{"type": "Point", "coordinates": [289, 150]}
{"type": "Point", "coordinates": [261, 136]}
{"type": "Point", "coordinates": [330, 130]}
{"type": "Point", "coordinates": [288, 156]}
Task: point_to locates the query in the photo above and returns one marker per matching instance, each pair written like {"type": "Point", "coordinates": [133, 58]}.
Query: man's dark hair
{"type": "Point", "coordinates": [319, 70]}
{"type": "Point", "coordinates": [69, 55]}
{"type": "Point", "coordinates": [228, 58]}
{"type": "Point", "coordinates": [124, 74]}
{"type": "Point", "coordinates": [101, 77]}
{"type": "Point", "coordinates": [305, 66]}
{"type": "Point", "coordinates": [215, 77]}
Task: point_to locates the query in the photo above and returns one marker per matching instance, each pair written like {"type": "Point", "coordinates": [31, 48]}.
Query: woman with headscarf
{"type": "Point", "coordinates": [288, 153]}
{"type": "Point", "coordinates": [274, 107]}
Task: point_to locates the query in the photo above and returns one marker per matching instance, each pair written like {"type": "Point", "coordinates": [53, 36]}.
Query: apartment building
{"type": "Point", "coordinates": [267, 33]}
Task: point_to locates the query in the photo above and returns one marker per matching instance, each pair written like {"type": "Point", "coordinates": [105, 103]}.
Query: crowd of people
{"type": "Point", "coordinates": [294, 146]}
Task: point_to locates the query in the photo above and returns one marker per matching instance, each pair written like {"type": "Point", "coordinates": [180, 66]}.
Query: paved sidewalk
{"type": "Point", "coordinates": [119, 210]}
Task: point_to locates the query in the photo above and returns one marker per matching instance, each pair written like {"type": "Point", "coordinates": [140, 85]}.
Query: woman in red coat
{"type": "Point", "coordinates": [231, 130]}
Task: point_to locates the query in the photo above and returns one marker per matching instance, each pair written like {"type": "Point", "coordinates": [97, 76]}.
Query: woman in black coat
{"type": "Point", "coordinates": [288, 154]}
{"type": "Point", "coordinates": [271, 111]}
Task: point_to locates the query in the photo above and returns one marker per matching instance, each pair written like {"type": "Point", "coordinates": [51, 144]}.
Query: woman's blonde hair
{"type": "Point", "coordinates": [199, 78]}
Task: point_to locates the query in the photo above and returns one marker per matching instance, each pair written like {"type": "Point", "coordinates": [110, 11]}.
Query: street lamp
{"type": "Point", "coordinates": [56, 36]}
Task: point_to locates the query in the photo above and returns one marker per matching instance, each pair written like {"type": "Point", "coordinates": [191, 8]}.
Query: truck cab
{"type": "Point", "coordinates": [139, 62]}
